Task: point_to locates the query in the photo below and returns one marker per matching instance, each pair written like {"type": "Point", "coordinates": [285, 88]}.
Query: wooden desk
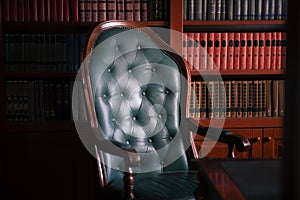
{"type": "Point", "coordinates": [239, 179]}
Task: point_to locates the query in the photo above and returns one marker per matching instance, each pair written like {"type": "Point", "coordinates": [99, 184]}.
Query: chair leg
{"type": "Point", "coordinates": [128, 185]}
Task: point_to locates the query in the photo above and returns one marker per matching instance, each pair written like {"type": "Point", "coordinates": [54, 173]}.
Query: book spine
{"type": "Point", "coordinates": [218, 10]}
{"type": "Point", "coordinates": [66, 14]}
{"type": "Point", "coordinates": [228, 98]}
{"type": "Point", "coordinates": [210, 88]}
{"type": "Point", "coordinates": [203, 51]}
{"type": "Point", "coordinates": [60, 10]}
{"type": "Point", "coordinates": [278, 50]}
{"type": "Point", "coordinates": [27, 10]}
{"type": "Point", "coordinates": [233, 99]}
{"type": "Point", "coordinates": [249, 50]}
{"type": "Point", "coordinates": [216, 98]}
{"type": "Point", "coordinates": [275, 98]}
{"type": "Point", "coordinates": [184, 46]}
{"type": "Point", "coordinates": [251, 10]}
{"type": "Point", "coordinates": [278, 9]}
{"type": "Point", "coordinates": [21, 10]}
{"type": "Point", "coordinates": [261, 50]}
{"type": "Point", "coordinates": [223, 9]}
{"type": "Point", "coordinates": [243, 51]}
{"type": "Point", "coordinates": [281, 94]}
{"type": "Point", "coordinates": [137, 10]}
{"type": "Point", "coordinates": [54, 9]}
{"type": "Point", "coordinates": [203, 100]}
{"type": "Point", "coordinates": [192, 112]}
{"type": "Point", "coordinates": [223, 54]}
{"type": "Point", "coordinates": [237, 10]}
{"type": "Point", "coordinates": [272, 9]}
{"type": "Point", "coordinates": [47, 4]}
{"type": "Point", "coordinates": [74, 10]}
{"type": "Point", "coordinates": [245, 97]}
{"type": "Point", "coordinates": [94, 10]}
{"type": "Point", "coordinates": [258, 9]}
{"type": "Point", "coordinates": [244, 10]}
{"type": "Point", "coordinates": [263, 89]}
{"type": "Point", "coordinates": [230, 51]}
{"type": "Point", "coordinates": [273, 50]}
{"type": "Point", "coordinates": [197, 96]}
{"type": "Point", "coordinates": [255, 98]}
{"type": "Point", "coordinates": [33, 11]}
{"type": "Point", "coordinates": [265, 9]}
{"type": "Point", "coordinates": [129, 10]}
{"type": "Point", "coordinates": [5, 10]}
{"type": "Point", "coordinates": [121, 9]}
{"type": "Point", "coordinates": [222, 100]}
{"type": "Point", "coordinates": [190, 7]}
{"type": "Point", "coordinates": [283, 50]}
{"type": "Point", "coordinates": [250, 99]}
{"type": "Point", "coordinates": [211, 9]}
{"type": "Point", "coordinates": [229, 9]}
{"type": "Point", "coordinates": [198, 10]}
{"type": "Point", "coordinates": [237, 40]}
{"type": "Point", "coordinates": [210, 51]}
{"type": "Point", "coordinates": [269, 98]}
{"type": "Point", "coordinates": [81, 5]}
{"type": "Point", "coordinates": [196, 51]}
{"type": "Point", "coordinates": [13, 10]}
{"type": "Point", "coordinates": [144, 10]}
{"type": "Point", "coordinates": [217, 50]}
{"type": "Point", "coordinates": [41, 11]}
{"type": "Point", "coordinates": [255, 54]}
{"type": "Point", "coordinates": [204, 10]}
{"type": "Point", "coordinates": [101, 10]}
{"type": "Point", "coordinates": [267, 50]}
{"type": "Point", "coordinates": [190, 49]}
{"type": "Point", "coordinates": [88, 11]}
{"type": "Point", "coordinates": [239, 93]}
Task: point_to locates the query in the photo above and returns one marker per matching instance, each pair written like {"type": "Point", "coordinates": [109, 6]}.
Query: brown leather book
{"type": "Point", "coordinates": [249, 50]}
{"type": "Point", "coordinates": [66, 13]}
{"type": "Point", "coordinates": [101, 10]}
{"type": "Point", "coordinates": [53, 11]}
{"type": "Point", "coordinates": [137, 10]}
{"type": "Point", "coordinates": [273, 50]}
{"type": "Point", "coordinates": [73, 8]}
{"type": "Point", "coordinates": [111, 6]}
{"type": "Point", "coordinates": [144, 10]}
{"type": "Point", "coordinates": [82, 5]}
{"type": "Point", "coordinates": [47, 10]}
{"type": "Point", "coordinates": [236, 59]}
{"type": "Point", "coordinates": [243, 51]}
{"type": "Point", "coordinates": [41, 10]}
{"type": "Point", "coordinates": [121, 9]}
{"type": "Point", "coordinates": [230, 51]}
{"type": "Point", "coordinates": [27, 10]}
{"type": "Point", "coordinates": [196, 51]}
{"type": "Point", "coordinates": [217, 50]}
{"type": "Point", "coordinates": [223, 53]}
{"type": "Point", "coordinates": [203, 51]}
{"type": "Point", "coordinates": [278, 50]}
{"type": "Point", "coordinates": [190, 49]}
{"type": "Point", "coordinates": [210, 51]}
{"type": "Point", "coordinates": [129, 15]}
{"type": "Point", "coordinates": [261, 50]}
{"type": "Point", "coordinates": [255, 54]}
{"type": "Point", "coordinates": [5, 10]}
{"type": "Point", "coordinates": [283, 50]}
{"type": "Point", "coordinates": [88, 11]}
{"type": "Point", "coordinates": [21, 10]}
{"type": "Point", "coordinates": [267, 50]}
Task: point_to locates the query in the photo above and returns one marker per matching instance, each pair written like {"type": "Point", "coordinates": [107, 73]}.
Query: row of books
{"type": "Point", "coordinates": [235, 9]}
{"type": "Point", "coordinates": [133, 10]}
{"type": "Point", "coordinates": [42, 52]}
{"type": "Point", "coordinates": [38, 100]}
{"type": "Point", "coordinates": [235, 99]}
{"type": "Point", "coordinates": [235, 51]}
{"type": "Point", "coordinates": [82, 10]}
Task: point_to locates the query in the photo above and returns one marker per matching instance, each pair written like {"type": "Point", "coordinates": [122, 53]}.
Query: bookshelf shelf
{"type": "Point", "coordinates": [63, 27]}
{"type": "Point", "coordinates": [267, 122]}
{"type": "Point", "coordinates": [234, 25]}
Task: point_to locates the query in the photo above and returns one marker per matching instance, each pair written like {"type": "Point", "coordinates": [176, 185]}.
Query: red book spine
{"type": "Point", "coordinates": [66, 11]}
{"type": "Point", "coordinates": [111, 9]}
{"type": "Point", "coordinates": [82, 10]}
{"type": "Point", "coordinates": [203, 51]}
{"type": "Point", "coordinates": [101, 10]}
{"type": "Point", "coordinates": [237, 41]}
{"type": "Point", "coordinates": [94, 10]}
{"type": "Point", "coordinates": [121, 9]}
{"type": "Point", "coordinates": [27, 10]}
{"type": "Point", "coordinates": [261, 59]}
{"type": "Point", "coordinates": [41, 10]}
{"type": "Point", "coordinates": [137, 10]}
{"type": "Point", "coordinates": [88, 11]}
{"type": "Point", "coordinates": [129, 10]}
{"type": "Point", "coordinates": [190, 49]}
{"type": "Point", "coordinates": [5, 10]}
{"type": "Point", "coordinates": [230, 51]}
{"type": "Point", "coordinates": [184, 46]}
{"type": "Point", "coordinates": [249, 50]}
{"type": "Point", "coordinates": [21, 10]}
{"type": "Point", "coordinates": [278, 50]}
{"type": "Point", "coordinates": [33, 11]}
{"type": "Point", "coordinates": [13, 10]}
{"type": "Point", "coordinates": [144, 10]}
{"type": "Point", "coordinates": [60, 10]}
{"type": "Point", "coordinates": [273, 50]}
{"type": "Point", "coordinates": [196, 51]}
{"type": "Point", "coordinates": [243, 51]}
{"type": "Point", "coordinates": [53, 11]}
{"type": "Point", "coordinates": [217, 50]}
{"type": "Point", "coordinates": [74, 9]}
{"type": "Point", "coordinates": [255, 50]}
{"type": "Point", "coordinates": [210, 51]}
{"type": "Point", "coordinates": [268, 37]}
{"type": "Point", "coordinates": [224, 43]}
{"type": "Point", "coordinates": [283, 50]}
{"type": "Point", "coordinates": [48, 10]}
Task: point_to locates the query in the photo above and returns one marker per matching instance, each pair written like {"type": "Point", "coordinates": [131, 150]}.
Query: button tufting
{"type": "Point", "coordinates": [149, 140]}
{"type": "Point", "coordinates": [117, 48]}
{"type": "Point", "coordinates": [104, 95]}
{"type": "Point", "coordinates": [167, 92]}
{"type": "Point", "coordinates": [170, 137]}
{"type": "Point", "coordinates": [109, 70]}
{"type": "Point", "coordinates": [129, 71]}
{"type": "Point", "coordinates": [153, 69]}
{"type": "Point", "coordinates": [134, 118]}
{"type": "Point", "coordinates": [144, 93]}
{"type": "Point", "coordinates": [113, 119]}
{"type": "Point", "coordinates": [121, 94]}
{"type": "Point", "coordinates": [139, 47]}
{"type": "Point", "coordinates": [127, 142]}
{"type": "Point", "coordinates": [159, 116]}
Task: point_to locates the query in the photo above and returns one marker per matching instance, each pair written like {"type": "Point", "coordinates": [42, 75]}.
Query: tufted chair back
{"type": "Point", "coordinates": [137, 90]}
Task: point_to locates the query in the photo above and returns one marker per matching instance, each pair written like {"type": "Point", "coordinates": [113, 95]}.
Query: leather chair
{"type": "Point", "coordinates": [136, 91]}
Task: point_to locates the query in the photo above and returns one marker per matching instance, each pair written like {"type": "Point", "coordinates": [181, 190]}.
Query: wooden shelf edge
{"type": "Point", "coordinates": [267, 122]}
{"type": "Point", "coordinates": [233, 22]}
{"type": "Point", "coordinates": [238, 72]}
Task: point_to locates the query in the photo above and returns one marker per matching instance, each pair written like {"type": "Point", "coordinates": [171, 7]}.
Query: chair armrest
{"type": "Point", "coordinates": [241, 143]}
